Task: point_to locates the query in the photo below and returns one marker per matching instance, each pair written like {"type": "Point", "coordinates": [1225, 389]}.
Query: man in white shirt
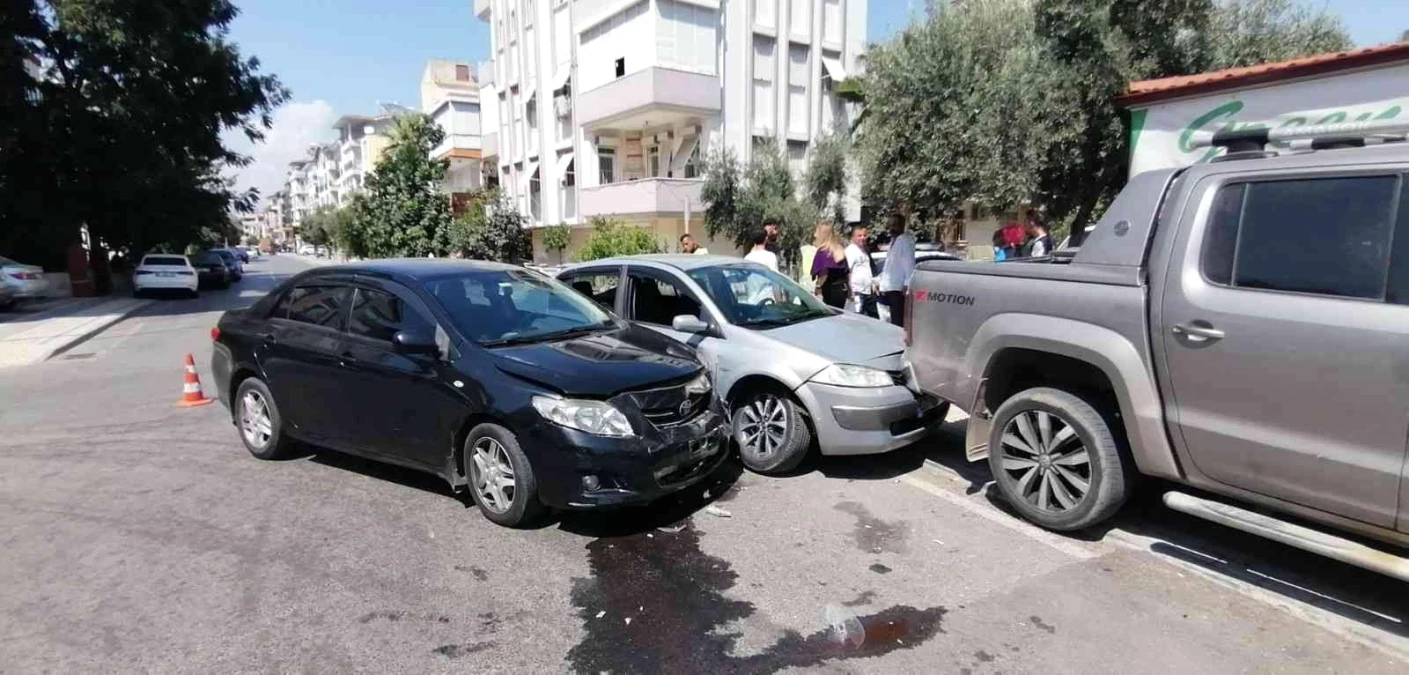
{"type": "Point", "coordinates": [760, 253]}
{"type": "Point", "coordinates": [900, 265]}
{"type": "Point", "coordinates": [858, 265]}
{"type": "Point", "coordinates": [689, 245]}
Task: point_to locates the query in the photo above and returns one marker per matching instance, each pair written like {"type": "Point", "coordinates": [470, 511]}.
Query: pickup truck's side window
{"type": "Point", "coordinates": [1329, 236]}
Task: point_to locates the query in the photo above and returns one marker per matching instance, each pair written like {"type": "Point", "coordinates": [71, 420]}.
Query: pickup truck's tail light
{"type": "Point", "coordinates": [909, 317]}
{"type": "Point", "coordinates": [215, 334]}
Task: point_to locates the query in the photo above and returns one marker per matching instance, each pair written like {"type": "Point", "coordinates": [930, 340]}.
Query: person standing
{"type": "Point", "coordinates": [829, 266]}
{"type": "Point", "coordinates": [760, 253]}
{"type": "Point", "coordinates": [858, 268]}
{"type": "Point", "coordinates": [689, 245]}
{"type": "Point", "coordinates": [900, 265]}
{"type": "Point", "coordinates": [770, 228]}
{"type": "Point", "coordinates": [1039, 243]}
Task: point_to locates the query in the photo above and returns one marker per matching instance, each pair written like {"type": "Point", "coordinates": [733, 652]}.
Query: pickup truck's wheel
{"type": "Point", "coordinates": [1055, 459]}
{"type": "Point", "coordinates": [772, 435]}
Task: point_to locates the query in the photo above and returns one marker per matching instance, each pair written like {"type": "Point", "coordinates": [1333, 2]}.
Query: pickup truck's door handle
{"type": "Point", "coordinates": [1197, 332]}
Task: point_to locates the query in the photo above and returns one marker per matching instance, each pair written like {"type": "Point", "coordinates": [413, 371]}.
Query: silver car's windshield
{"type": "Point", "coordinates": [755, 296]}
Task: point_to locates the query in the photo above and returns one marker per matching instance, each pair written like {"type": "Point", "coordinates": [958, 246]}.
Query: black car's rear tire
{"type": "Point", "coordinates": [771, 430]}
{"type": "Point", "coordinates": [257, 417]}
{"type": "Point", "coordinates": [501, 479]}
{"type": "Point", "coordinates": [1070, 475]}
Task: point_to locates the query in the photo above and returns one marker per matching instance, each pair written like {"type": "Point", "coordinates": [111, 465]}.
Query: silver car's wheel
{"type": "Point", "coordinates": [770, 430]}
{"type": "Point", "coordinates": [1046, 460]}
{"type": "Point", "coordinates": [256, 423]}
{"type": "Point", "coordinates": [492, 475]}
{"type": "Point", "coordinates": [1057, 459]}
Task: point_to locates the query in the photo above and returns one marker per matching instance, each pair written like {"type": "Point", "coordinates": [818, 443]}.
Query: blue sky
{"type": "Point", "coordinates": [344, 56]}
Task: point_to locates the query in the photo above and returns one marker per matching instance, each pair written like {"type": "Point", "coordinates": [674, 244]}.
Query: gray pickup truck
{"type": "Point", "coordinates": [1238, 328]}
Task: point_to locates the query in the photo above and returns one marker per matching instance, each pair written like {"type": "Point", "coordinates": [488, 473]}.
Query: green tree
{"type": "Point", "coordinates": [723, 182]}
{"type": "Point", "coordinates": [611, 238]}
{"type": "Point", "coordinates": [739, 199]}
{"type": "Point", "coordinates": [490, 229]}
{"type": "Point", "coordinates": [1249, 32]}
{"type": "Point", "coordinates": [401, 212]}
{"type": "Point", "coordinates": [557, 238]}
{"type": "Point", "coordinates": [121, 131]}
{"type": "Point", "coordinates": [825, 180]}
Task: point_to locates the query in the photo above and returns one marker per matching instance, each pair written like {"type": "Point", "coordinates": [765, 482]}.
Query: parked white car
{"type": "Point", "coordinates": [306, 249]}
{"type": "Point", "coordinates": [165, 272]}
{"type": "Point", "coordinates": [23, 281]}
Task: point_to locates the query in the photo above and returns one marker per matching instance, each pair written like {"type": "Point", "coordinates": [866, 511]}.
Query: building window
{"type": "Point", "coordinates": [692, 162]}
{"type": "Point", "coordinates": [653, 161]}
{"type": "Point", "coordinates": [621, 66]}
{"type": "Point", "coordinates": [685, 35]}
{"type": "Point", "coordinates": [764, 71]}
{"type": "Point", "coordinates": [832, 24]}
{"type": "Point", "coordinates": [801, 17]}
{"type": "Point", "coordinates": [535, 195]}
{"type": "Point", "coordinates": [797, 89]}
{"type": "Point", "coordinates": [606, 165]}
{"type": "Point", "coordinates": [569, 209]}
{"type": "Point", "coordinates": [462, 73]}
{"type": "Point", "coordinates": [765, 12]}
{"type": "Point", "coordinates": [531, 112]}
{"type": "Point", "coordinates": [527, 13]}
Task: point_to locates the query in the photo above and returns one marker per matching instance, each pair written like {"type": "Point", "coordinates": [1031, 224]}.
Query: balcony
{"type": "Point", "coordinates": [649, 97]}
{"type": "Point", "coordinates": [644, 196]}
{"type": "Point", "coordinates": [490, 144]}
{"type": "Point", "coordinates": [459, 146]}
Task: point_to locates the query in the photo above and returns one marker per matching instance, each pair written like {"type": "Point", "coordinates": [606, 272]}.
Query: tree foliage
{"type": "Point", "coordinates": [997, 102]}
{"type": "Point", "coordinates": [114, 113]}
{"type": "Point", "coordinates": [490, 229]}
{"type": "Point", "coordinates": [611, 238]}
{"type": "Point", "coordinates": [557, 238]}
{"type": "Point", "coordinates": [738, 199]}
{"type": "Point", "coordinates": [825, 181]}
{"type": "Point", "coordinates": [401, 212]}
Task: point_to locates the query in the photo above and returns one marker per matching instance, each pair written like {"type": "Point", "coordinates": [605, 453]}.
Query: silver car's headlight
{"type": "Point", "coordinates": [699, 385]}
{"type": "Point", "coordinates": [848, 375]}
{"type": "Point", "coordinates": [593, 417]}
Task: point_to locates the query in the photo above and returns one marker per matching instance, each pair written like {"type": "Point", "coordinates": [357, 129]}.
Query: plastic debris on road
{"type": "Point", "coordinates": [717, 512]}
{"type": "Point", "coordinates": [672, 529]}
{"type": "Point", "coordinates": [846, 628]}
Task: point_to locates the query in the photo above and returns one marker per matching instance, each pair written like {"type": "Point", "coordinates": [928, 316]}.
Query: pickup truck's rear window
{"type": "Point", "coordinates": [1329, 236]}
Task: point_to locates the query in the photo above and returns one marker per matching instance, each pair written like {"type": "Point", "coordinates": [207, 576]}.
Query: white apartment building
{"type": "Point", "coordinates": [605, 107]}
{"type": "Point", "coordinates": [361, 140]}
{"type": "Point", "coordinates": [450, 94]}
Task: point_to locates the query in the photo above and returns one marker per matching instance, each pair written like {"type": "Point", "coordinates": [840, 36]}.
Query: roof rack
{"type": "Point", "coordinates": [1316, 137]}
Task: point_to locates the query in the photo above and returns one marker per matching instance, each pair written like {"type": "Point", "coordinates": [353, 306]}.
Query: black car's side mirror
{"type": "Point", "coordinates": [416, 343]}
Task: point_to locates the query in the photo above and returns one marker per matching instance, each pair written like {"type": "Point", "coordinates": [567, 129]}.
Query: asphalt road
{"type": "Point", "coordinates": [142, 537]}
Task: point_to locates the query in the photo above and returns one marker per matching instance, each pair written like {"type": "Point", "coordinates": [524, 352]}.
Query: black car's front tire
{"type": "Point", "coordinates": [501, 479]}
{"type": "Point", "coordinates": [258, 419]}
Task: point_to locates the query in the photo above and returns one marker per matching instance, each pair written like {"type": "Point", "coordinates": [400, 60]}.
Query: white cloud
{"type": "Point", "coordinates": [295, 127]}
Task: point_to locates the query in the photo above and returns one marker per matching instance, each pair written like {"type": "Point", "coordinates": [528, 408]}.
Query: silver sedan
{"type": "Point", "coordinates": [793, 371]}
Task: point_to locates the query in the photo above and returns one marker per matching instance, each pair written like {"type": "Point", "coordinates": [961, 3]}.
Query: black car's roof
{"type": "Point", "coordinates": [404, 269]}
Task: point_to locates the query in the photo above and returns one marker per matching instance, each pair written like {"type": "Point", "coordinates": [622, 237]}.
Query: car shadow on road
{"type": "Point", "coordinates": [669, 511]}
{"type": "Point", "coordinates": [1353, 593]}
{"type": "Point", "coordinates": [390, 473]}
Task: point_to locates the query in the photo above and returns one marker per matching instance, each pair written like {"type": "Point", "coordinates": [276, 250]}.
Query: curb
{"type": "Point", "coordinates": [56, 350]}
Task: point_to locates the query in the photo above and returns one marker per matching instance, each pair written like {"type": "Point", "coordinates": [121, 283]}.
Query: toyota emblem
{"type": "Point", "coordinates": [685, 407]}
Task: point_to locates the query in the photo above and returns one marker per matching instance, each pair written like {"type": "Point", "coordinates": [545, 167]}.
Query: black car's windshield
{"type": "Point", "coordinates": [755, 296]}
{"type": "Point", "coordinates": [495, 307]}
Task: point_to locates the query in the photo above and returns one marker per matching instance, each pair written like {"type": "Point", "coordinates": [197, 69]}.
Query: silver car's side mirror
{"type": "Point", "coordinates": [689, 324]}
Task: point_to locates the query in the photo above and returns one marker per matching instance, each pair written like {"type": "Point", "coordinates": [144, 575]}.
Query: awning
{"type": "Point", "coordinates": [560, 77]}
{"type": "Point", "coordinates": [529, 169]}
{"type": "Point", "coordinates": [563, 161]}
{"type": "Point", "coordinates": [834, 69]}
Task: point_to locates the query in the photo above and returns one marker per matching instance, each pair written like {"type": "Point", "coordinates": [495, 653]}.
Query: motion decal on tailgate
{"type": "Point", "coordinates": [935, 296]}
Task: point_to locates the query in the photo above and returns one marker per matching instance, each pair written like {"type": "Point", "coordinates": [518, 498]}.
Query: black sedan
{"type": "Point", "coordinates": [232, 262]}
{"type": "Point", "coordinates": [212, 270]}
{"type": "Point", "coordinates": [494, 377]}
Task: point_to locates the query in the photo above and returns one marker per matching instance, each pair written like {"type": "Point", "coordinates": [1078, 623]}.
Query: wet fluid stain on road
{"type": "Point", "coordinates": [661, 601]}
{"type": "Point", "coordinates": [872, 534]}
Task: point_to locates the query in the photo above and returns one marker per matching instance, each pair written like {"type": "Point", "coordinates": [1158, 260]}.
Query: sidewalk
{"type": "Point", "coordinates": [42, 335]}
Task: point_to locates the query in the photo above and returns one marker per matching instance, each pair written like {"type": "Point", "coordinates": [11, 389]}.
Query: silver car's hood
{"type": "Point", "coordinates": [846, 338]}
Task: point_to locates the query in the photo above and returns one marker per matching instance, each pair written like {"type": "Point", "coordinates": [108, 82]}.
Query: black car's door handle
{"type": "Point", "coordinates": [346, 359]}
{"type": "Point", "coordinates": [268, 338]}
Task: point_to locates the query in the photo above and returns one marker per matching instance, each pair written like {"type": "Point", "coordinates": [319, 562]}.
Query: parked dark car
{"type": "Point", "coordinates": [241, 253]}
{"type": "Point", "coordinates": [232, 263]}
{"type": "Point", "coordinates": [494, 377]}
{"type": "Point", "coordinates": [212, 270]}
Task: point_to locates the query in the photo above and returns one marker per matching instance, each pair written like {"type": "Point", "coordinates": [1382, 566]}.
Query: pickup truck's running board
{"type": "Point", "coordinates": [1304, 538]}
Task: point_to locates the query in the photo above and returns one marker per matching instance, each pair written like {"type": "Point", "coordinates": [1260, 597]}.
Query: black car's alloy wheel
{"type": "Point", "coordinates": [257, 416]}
{"type": "Point", "coordinates": [501, 479]}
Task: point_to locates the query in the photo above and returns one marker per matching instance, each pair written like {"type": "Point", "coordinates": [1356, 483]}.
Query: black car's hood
{"type": "Point", "coordinates": [600, 365]}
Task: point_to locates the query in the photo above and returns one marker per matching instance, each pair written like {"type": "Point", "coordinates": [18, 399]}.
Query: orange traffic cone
{"type": "Point", "coordinates": [191, 395]}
